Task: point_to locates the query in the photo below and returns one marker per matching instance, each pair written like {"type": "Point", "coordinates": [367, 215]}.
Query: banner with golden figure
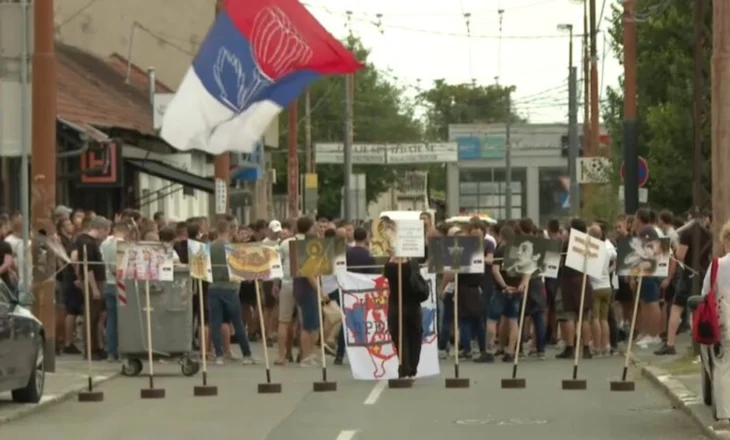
{"type": "Point", "coordinates": [199, 256]}
{"type": "Point", "coordinates": [314, 257]}
{"type": "Point", "coordinates": [253, 261]}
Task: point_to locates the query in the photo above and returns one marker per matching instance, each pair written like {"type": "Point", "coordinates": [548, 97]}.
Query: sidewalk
{"type": "Point", "coordinates": [679, 377]}
{"type": "Point", "coordinates": [70, 378]}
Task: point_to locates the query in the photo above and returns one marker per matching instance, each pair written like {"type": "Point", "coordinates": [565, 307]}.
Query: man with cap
{"type": "Point", "coordinates": [62, 211]}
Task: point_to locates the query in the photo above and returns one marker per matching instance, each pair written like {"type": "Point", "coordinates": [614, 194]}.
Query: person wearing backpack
{"type": "Point", "coordinates": [414, 290]}
{"type": "Point", "coordinates": [711, 324]}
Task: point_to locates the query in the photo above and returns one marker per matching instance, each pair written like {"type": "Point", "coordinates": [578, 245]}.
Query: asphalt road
{"type": "Point", "coordinates": [370, 411]}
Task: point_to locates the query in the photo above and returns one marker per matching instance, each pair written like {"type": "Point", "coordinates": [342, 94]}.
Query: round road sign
{"type": "Point", "coordinates": [643, 171]}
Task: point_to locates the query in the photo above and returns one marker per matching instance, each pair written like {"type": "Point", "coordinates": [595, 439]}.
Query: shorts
{"type": "Point", "coordinates": [505, 305]}
{"type": "Point", "coordinates": [74, 301]}
{"type": "Point", "coordinates": [572, 316]}
{"type": "Point", "coordinates": [601, 304]}
{"type": "Point", "coordinates": [287, 305]}
{"type": "Point", "coordinates": [307, 305]}
{"type": "Point", "coordinates": [682, 288]}
{"type": "Point", "coordinates": [267, 290]}
{"type": "Point", "coordinates": [650, 290]}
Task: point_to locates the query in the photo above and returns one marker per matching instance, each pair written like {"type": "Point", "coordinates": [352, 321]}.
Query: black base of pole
{"type": "Point", "coordinates": [575, 384]}
{"type": "Point", "coordinates": [91, 396]}
{"type": "Point", "coordinates": [324, 387]}
{"type": "Point", "coordinates": [623, 385]}
{"type": "Point", "coordinates": [205, 391]}
{"type": "Point", "coordinates": [152, 393]}
{"type": "Point", "coordinates": [457, 382]}
{"type": "Point", "coordinates": [514, 383]}
{"type": "Point", "coordinates": [270, 388]}
{"type": "Point", "coordinates": [402, 383]}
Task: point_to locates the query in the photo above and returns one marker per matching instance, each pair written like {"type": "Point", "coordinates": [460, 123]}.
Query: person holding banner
{"type": "Point", "coordinates": [223, 298]}
{"type": "Point", "coordinates": [412, 314]}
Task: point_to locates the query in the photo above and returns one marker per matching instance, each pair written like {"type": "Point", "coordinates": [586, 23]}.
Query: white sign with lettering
{"type": "Point", "coordinates": [362, 154]}
{"type": "Point", "coordinates": [409, 239]}
{"type": "Point", "coordinates": [422, 153]}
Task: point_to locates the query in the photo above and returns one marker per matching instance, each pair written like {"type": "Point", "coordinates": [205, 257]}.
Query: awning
{"type": "Point", "coordinates": [172, 174]}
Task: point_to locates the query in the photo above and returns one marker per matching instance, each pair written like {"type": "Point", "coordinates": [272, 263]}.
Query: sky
{"type": "Point", "coordinates": [425, 40]}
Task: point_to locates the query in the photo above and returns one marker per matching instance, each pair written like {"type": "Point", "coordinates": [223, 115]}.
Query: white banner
{"type": "Point", "coordinates": [370, 351]}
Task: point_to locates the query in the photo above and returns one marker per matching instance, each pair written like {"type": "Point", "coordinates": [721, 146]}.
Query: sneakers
{"type": "Point", "coordinates": [646, 341]}
{"type": "Point", "coordinates": [310, 361]}
{"type": "Point", "coordinates": [248, 360]}
{"type": "Point", "coordinates": [666, 350]}
{"type": "Point", "coordinates": [485, 358]}
{"type": "Point", "coordinates": [219, 361]}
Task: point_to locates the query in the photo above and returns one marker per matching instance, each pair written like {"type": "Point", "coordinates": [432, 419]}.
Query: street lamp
{"type": "Point", "coordinates": [567, 27]}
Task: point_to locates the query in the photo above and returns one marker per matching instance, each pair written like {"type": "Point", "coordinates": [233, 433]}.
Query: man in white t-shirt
{"type": "Point", "coordinates": [287, 304]}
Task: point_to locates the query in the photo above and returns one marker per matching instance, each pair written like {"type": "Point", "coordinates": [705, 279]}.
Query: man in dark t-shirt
{"type": "Point", "coordinates": [86, 248]}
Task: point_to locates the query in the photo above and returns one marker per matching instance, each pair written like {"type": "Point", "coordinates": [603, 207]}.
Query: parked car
{"type": "Point", "coordinates": [706, 359]}
{"type": "Point", "coordinates": [22, 336]}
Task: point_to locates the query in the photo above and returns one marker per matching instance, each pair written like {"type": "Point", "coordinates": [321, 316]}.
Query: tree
{"type": "Point", "coordinates": [665, 71]}
{"type": "Point", "coordinates": [379, 117]}
{"type": "Point", "coordinates": [462, 104]}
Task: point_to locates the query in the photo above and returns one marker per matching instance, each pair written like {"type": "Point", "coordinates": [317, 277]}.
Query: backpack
{"type": "Point", "coordinates": [419, 285]}
{"type": "Point", "coordinates": [705, 321]}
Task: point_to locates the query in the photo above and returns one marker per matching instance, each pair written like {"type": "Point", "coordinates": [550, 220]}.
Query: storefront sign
{"type": "Point", "coordinates": [101, 166]}
{"type": "Point", "coordinates": [422, 153]}
{"type": "Point", "coordinates": [391, 154]}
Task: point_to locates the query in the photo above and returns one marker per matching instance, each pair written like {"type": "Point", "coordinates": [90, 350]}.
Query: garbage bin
{"type": "Point", "coordinates": [171, 304]}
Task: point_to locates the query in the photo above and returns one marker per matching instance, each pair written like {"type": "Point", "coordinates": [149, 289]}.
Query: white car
{"type": "Point", "coordinates": [707, 397]}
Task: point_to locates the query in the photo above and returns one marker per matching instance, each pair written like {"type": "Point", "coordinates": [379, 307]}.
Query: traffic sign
{"type": "Point", "coordinates": [643, 171]}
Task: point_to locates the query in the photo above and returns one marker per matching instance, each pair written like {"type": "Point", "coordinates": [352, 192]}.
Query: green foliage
{"type": "Point", "coordinates": [379, 117]}
{"type": "Point", "coordinates": [462, 104]}
{"type": "Point", "coordinates": [664, 82]}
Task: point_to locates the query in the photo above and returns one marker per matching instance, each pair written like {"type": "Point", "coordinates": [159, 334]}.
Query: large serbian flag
{"type": "Point", "coordinates": [257, 58]}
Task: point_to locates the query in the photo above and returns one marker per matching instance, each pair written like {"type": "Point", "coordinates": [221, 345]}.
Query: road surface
{"type": "Point", "coordinates": [370, 411]}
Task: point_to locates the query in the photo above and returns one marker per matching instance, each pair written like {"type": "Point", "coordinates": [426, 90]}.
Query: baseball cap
{"type": "Point", "coordinates": [275, 226]}
{"type": "Point", "coordinates": [63, 210]}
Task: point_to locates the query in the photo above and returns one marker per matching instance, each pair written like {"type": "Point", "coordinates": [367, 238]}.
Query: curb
{"type": "Point", "coordinates": [31, 408]}
{"type": "Point", "coordinates": [679, 394]}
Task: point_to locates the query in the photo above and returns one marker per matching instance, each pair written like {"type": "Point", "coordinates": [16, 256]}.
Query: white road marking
{"type": "Point", "coordinates": [375, 392]}
{"type": "Point", "coordinates": [346, 435]}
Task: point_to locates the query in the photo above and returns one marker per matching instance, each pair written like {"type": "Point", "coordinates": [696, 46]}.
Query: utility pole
{"type": "Point", "coordinates": [631, 126]}
{"type": "Point", "coordinates": [573, 141]}
{"type": "Point", "coordinates": [293, 159]}
{"type": "Point", "coordinates": [700, 119]}
{"type": "Point", "coordinates": [508, 158]}
{"type": "Point", "coordinates": [26, 136]}
{"type": "Point", "coordinates": [720, 114]}
{"type": "Point", "coordinates": [349, 134]}
{"type": "Point", "coordinates": [586, 82]}
{"type": "Point", "coordinates": [222, 163]}
{"type": "Point", "coordinates": [594, 82]}
{"type": "Point", "coordinates": [308, 132]}
{"type": "Point", "coordinates": [43, 167]}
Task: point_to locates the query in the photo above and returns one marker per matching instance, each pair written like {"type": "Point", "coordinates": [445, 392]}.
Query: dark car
{"type": "Point", "coordinates": [21, 348]}
{"type": "Point", "coordinates": [707, 367]}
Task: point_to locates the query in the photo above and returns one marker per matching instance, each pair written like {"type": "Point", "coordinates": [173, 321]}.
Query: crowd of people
{"type": "Point", "coordinates": [489, 304]}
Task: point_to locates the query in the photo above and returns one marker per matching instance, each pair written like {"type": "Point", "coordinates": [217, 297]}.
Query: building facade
{"type": "Point", "coordinates": [540, 184]}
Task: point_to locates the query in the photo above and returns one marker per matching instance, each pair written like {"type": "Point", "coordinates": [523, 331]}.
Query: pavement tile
{"type": "Point", "coordinates": [71, 376]}
{"type": "Point", "coordinates": [684, 391]}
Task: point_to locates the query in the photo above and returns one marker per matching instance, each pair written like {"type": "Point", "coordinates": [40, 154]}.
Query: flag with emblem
{"type": "Point", "coordinates": [257, 58]}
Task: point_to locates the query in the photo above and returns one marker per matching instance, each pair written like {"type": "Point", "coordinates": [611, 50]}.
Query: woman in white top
{"type": "Point", "coordinates": [720, 359]}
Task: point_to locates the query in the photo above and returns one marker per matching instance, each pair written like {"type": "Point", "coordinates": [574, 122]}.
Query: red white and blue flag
{"type": "Point", "coordinates": [258, 57]}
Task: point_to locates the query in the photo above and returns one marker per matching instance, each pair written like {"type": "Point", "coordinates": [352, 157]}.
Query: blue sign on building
{"type": "Point", "coordinates": [481, 147]}
{"type": "Point", "coordinates": [250, 168]}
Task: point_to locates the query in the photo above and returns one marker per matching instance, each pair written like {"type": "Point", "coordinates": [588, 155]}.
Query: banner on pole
{"type": "Point", "coordinates": [370, 351]}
